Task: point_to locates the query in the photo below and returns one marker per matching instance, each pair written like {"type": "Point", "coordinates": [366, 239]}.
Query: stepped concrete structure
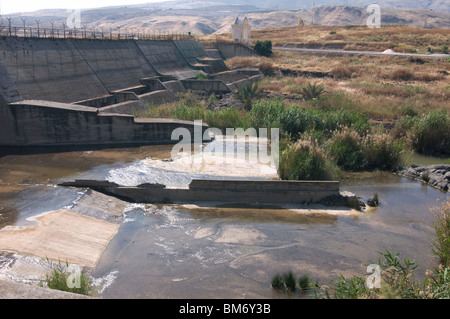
{"type": "Point", "coordinates": [65, 92]}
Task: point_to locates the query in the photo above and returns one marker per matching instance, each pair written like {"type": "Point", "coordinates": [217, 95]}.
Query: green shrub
{"type": "Point", "coordinates": [263, 48]}
{"type": "Point", "coordinates": [305, 283]}
{"type": "Point", "coordinates": [304, 160]}
{"type": "Point", "coordinates": [431, 133]}
{"type": "Point", "coordinates": [344, 118]}
{"type": "Point", "coordinates": [227, 118]}
{"type": "Point", "coordinates": [382, 151]}
{"type": "Point", "coordinates": [312, 91]}
{"type": "Point", "coordinates": [266, 113]}
{"type": "Point", "coordinates": [59, 277]}
{"type": "Point", "coordinates": [284, 282]}
{"type": "Point", "coordinates": [346, 148]}
{"type": "Point", "coordinates": [201, 76]}
{"type": "Point", "coordinates": [295, 120]}
{"type": "Point", "coordinates": [248, 94]}
{"type": "Point", "coordinates": [441, 243]}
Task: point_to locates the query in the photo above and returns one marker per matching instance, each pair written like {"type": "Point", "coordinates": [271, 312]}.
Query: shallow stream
{"type": "Point", "coordinates": [173, 251]}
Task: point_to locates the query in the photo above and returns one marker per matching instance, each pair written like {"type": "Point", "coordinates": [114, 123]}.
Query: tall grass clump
{"type": "Point", "coordinates": [382, 151]}
{"type": "Point", "coordinates": [347, 149]}
{"type": "Point", "coordinates": [305, 160]}
{"type": "Point", "coordinates": [441, 243]}
{"type": "Point", "coordinates": [59, 278]}
{"type": "Point", "coordinates": [431, 134]}
{"type": "Point", "coordinates": [266, 113]}
{"type": "Point", "coordinates": [287, 282]}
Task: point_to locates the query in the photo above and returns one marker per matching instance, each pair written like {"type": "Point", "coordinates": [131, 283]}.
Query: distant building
{"type": "Point", "coordinates": [241, 30]}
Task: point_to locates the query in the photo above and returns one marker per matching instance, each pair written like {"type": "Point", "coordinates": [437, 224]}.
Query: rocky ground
{"type": "Point", "coordinates": [437, 176]}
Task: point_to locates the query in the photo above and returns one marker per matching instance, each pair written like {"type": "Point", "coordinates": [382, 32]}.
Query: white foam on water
{"type": "Point", "coordinates": [105, 281]}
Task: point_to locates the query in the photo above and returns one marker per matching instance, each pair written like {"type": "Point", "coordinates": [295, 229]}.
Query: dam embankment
{"type": "Point", "coordinates": [84, 91]}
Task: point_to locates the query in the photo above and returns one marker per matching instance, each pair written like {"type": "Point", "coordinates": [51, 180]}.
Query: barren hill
{"type": "Point", "coordinates": [214, 17]}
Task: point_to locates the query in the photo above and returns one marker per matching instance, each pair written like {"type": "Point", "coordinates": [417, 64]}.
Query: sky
{"type": "Point", "coordinates": [13, 6]}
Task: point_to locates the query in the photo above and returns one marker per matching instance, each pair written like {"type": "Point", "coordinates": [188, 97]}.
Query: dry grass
{"type": "Point", "coordinates": [383, 87]}
{"type": "Point", "coordinates": [398, 38]}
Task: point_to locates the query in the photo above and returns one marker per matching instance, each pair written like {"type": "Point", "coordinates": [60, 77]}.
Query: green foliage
{"type": "Point", "coordinates": [304, 160]}
{"type": "Point", "coordinates": [431, 133]}
{"type": "Point", "coordinates": [284, 282]}
{"type": "Point", "coordinates": [347, 149]}
{"type": "Point", "coordinates": [382, 152]}
{"type": "Point", "coordinates": [201, 76]}
{"type": "Point", "coordinates": [59, 277]}
{"type": "Point", "coordinates": [248, 94]}
{"type": "Point", "coordinates": [287, 282]}
{"type": "Point", "coordinates": [444, 49]}
{"type": "Point", "coordinates": [305, 283]}
{"type": "Point", "coordinates": [350, 288]}
{"type": "Point", "coordinates": [441, 243]}
{"type": "Point", "coordinates": [226, 118]}
{"type": "Point", "coordinates": [312, 91]}
{"type": "Point", "coordinates": [263, 48]}
{"type": "Point", "coordinates": [266, 113]}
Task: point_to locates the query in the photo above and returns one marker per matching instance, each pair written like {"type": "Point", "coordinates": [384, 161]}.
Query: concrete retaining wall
{"type": "Point", "coordinates": [49, 69]}
{"type": "Point", "coordinates": [217, 86]}
{"type": "Point", "coordinates": [230, 50]}
{"type": "Point", "coordinates": [118, 64]}
{"type": "Point", "coordinates": [229, 191]}
{"type": "Point", "coordinates": [166, 59]}
{"type": "Point", "coordinates": [41, 123]}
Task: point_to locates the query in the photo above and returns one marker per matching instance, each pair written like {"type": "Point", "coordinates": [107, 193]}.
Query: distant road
{"type": "Point", "coordinates": [345, 52]}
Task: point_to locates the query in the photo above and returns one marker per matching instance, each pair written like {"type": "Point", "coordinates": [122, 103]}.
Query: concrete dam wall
{"type": "Point", "coordinates": [82, 91]}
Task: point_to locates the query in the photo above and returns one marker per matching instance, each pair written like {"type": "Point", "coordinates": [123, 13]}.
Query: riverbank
{"type": "Point", "coordinates": [437, 176]}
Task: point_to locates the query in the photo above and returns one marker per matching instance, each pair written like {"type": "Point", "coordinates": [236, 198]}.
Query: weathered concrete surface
{"type": "Point", "coordinates": [217, 86]}
{"type": "Point", "coordinates": [49, 69]}
{"type": "Point", "coordinates": [61, 235]}
{"type": "Point", "coordinates": [13, 290]}
{"type": "Point", "coordinates": [191, 51]}
{"type": "Point", "coordinates": [167, 59]}
{"type": "Point", "coordinates": [118, 64]}
{"type": "Point", "coordinates": [228, 191]}
{"type": "Point", "coordinates": [50, 123]}
{"type": "Point", "coordinates": [230, 50]}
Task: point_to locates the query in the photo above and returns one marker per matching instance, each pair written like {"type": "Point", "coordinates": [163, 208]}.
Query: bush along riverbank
{"type": "Point", "coordinates": [321, 143]}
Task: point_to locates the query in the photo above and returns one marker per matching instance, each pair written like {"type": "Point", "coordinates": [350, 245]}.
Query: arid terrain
{"type": "Point", "coordinates": [214, 17]}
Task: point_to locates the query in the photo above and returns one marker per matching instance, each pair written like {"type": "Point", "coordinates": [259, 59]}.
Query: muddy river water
{"type": "Point", "coordinates": [174, 251]}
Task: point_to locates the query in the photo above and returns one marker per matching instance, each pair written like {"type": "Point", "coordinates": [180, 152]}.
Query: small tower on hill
{"type": "Point", "coordinates": [241, 30]}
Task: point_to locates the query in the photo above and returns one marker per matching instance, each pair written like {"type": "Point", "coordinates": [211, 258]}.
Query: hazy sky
{"type": "Point", "coordinates": [11, 6]}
